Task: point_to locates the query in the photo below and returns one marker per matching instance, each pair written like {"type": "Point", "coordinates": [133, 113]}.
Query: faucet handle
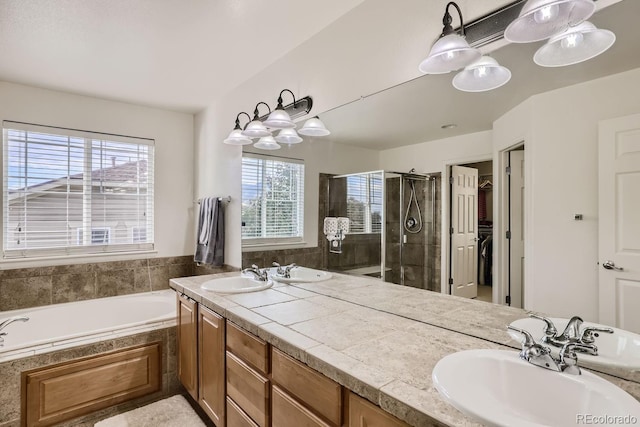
{"type": "Point", "coordinates": [569, 359]}
{"type": "Point", "coordinates": [588, 333]}
{"type": "Point", "coordinates": [528, 339]}
{"type": "Point", "coordinates": [549, 328]}
{"type": "Point", "coordinates": [275, 264]}
{"type": "Point", "coordinates": [255, 266]}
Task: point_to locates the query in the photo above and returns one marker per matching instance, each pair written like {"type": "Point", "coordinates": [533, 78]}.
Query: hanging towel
{"type": "Point", "coordinates": [210, 245]}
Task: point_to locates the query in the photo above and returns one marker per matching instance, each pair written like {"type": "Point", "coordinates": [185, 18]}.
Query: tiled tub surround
{"type": "Point", "coordinates": [37, 286]}
{"type": "Point", "coordinates": [10, 374]}
{"type": "Point", "coordinates": [361, 333]}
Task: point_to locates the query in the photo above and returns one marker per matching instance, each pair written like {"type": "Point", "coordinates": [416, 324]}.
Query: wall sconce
{"type": "Point", "coordinates": [267, 143]}
{"type": "Point", "coordinates": [451, 51]}
{"type": "Point", "coordinates": [482, 75]}
{"type": "Point", "coordinates": [236, 137]}
{"type": "Point", "coordinates": [280, 118]}
{"type": "Point", "coordinates": [541, 19]}
{"type": "Point", "coordinates": [314, 127]}
{"type": "Point", "coordinates": [577, 44]}
{"type": "Point", "coordinates": [255, 128]}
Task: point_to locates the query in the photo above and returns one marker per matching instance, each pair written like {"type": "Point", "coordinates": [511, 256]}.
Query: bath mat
{"type": "Point", "coordinates": [171, 412]}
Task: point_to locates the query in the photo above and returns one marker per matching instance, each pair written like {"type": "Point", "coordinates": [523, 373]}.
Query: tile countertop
{"type": "Point", "coordinates": [377, 339]}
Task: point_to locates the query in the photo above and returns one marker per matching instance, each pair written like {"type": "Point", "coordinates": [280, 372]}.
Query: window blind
{"type": "Point", "coordinates": [75, 192]}
{"type": "Point", "coordinates": [272, 198]}
{"type": "Point", "coordinates": [364, 203]}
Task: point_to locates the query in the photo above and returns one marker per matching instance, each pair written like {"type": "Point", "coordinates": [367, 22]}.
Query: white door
{"type": "Point", "coordinates": [619, 222]}
{"type": "Point", "coordinates": [516, 227]}
{"type": "Point", "coordinates": [464, 231]}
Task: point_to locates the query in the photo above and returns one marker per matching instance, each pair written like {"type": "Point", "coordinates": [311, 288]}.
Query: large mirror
{"type": "Point", "coordinates": [550, 116]}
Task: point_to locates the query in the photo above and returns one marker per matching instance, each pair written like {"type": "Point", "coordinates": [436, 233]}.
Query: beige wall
{"type": "Point", "coordinates": [173, 133]}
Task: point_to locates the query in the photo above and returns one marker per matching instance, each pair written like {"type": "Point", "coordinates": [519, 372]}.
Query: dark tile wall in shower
{"type": "Point", "coordinates": [37, 286]}
{"type": "Point", "coordinates": [420, 255]}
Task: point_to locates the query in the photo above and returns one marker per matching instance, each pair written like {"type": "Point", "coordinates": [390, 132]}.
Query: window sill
{"type": "Point", "coordinates": [256, 247]}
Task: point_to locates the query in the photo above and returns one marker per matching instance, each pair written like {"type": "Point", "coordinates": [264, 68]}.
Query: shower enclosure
{"type": "Point", "coordinates": [394, 226]}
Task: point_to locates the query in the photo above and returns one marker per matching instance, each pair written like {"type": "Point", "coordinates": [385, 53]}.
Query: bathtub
{"type": "Point", "coordinates": [54, 327]}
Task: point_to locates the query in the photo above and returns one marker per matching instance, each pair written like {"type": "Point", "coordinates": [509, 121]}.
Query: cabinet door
{"type": "Point", "coordinates": [211, 328]}
{"type": "Point", "coordinates": [187, 335]}
{"type": "Point", "coordinates": [363, 413]}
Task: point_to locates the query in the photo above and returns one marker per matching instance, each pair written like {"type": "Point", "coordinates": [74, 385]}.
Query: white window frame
{"type": "Point", "coordinates": [101, 250]}
{"type": "Point", "coordinates": [368, 224]}
{"type": "Point", "coordinates": [278, 242]}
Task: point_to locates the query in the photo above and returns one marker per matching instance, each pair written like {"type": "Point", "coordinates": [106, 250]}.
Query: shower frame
{"type": "Point", "coordinates": [383, 240]}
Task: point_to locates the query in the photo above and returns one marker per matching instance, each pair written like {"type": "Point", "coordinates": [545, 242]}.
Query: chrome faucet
{"type": "Point", "coordinates": [284, 270]}
{"type": "Point", "coordinates": [572, 334]}
{"type": "Point", "coordinates": [260, 274]}
{"type": "Point", "coordinates": [6, 323]}
{"type": "Point", "coordinates": [539, 355]}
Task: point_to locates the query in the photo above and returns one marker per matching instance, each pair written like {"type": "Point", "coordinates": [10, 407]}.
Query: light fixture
{"type": "Point", "coordinates": [288, 136]}
{"type": "Point", "coordinates": [236, 137]}
{"type": "Point", "coordinates": [255, 128]}
{"type": "Point", "coordinates": [541, 19]}
{"type": "Point", "coordinates": [482, 75]}
{"type": "Point", "coordinates": [267, 143]}
{"type": "Point", "coordinates": [451, 51]}
{"type": "Point", "coordinates": [577, 44]}
{"type": "Point", "coordinates": [314, 127]}
{"type": "Point", "coordinates": [279, 118]}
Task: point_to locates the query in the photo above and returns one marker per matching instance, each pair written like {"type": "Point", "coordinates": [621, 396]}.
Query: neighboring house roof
{"type": "Point", "coordinates": [129, 174]}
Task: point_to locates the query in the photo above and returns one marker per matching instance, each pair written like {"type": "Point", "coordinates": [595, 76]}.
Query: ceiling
{"type": "Point", "coordinates": [172, 54]}
{"type": "Point", "coordinates": [414, 112]}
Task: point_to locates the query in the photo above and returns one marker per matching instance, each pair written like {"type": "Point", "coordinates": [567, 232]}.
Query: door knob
{"type": "Point", "coordinates": [610, 265]}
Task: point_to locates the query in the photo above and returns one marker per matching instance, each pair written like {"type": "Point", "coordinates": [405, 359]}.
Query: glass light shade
{"type": "Point", "coordinates": [288, 136]}
{"type": "Point", "coordinates": [237, 138]}
{"type": "Point", "coordinates": [256, 129]}
{"type": "Point", "coordinates": [279, 119]}
{"type": "Point", "coordinates": [267, 143]}
{"type": "Point", "coordinates": [482, 75]}
{"type": "Point", "coordinates": [314, 127]}
{"type": "Point", "coordinates": [575, 45]}
{"type": "Point", "coordinates": [449, 53]}
{"type": "Point", "coordinates": [541, 19]}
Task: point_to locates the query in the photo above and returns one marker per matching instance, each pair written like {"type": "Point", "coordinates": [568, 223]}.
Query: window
{"type": "Point", "coordinates": [272, 199]}
{"type": "Point", "coordinates": [364, 203]}
{"type": "Point", "coordinates": [98, 236]}
{"type": "Point", "coordinates": [69, 192]}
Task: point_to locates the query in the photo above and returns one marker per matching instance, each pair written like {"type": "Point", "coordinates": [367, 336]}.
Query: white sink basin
{"type": "Point", "coordinates": [620, 349]}
{"type": "Point", "coordinates": [498, 388]}
{"type": "Point", "coordinates": [302, 275]}
{"type": "Point", "coordinates": [235, 285]}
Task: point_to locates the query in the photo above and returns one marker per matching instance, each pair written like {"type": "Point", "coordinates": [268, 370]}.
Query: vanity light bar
{"type": "Point", "coordinates": [490, 27]}
{"type": "Point", "coordinates": [300, 108]}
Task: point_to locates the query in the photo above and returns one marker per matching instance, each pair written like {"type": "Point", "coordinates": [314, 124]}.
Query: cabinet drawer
{"type": "Point", "coordinates": [318, 392]}
{"type": "Point", "coordinates": [236, 416]}
{"type": "Point", "coordinates": [363, 413]}
{"type": "Point", "coordinates": [248, 389]}
{"type": "Point", "coordinates": [248, 347]}
{"type": "Point", "coordinates": [286, 412]}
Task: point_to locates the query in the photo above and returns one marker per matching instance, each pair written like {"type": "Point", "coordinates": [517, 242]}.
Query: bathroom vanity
{"type": "Point", "coordinates": [347, 339]}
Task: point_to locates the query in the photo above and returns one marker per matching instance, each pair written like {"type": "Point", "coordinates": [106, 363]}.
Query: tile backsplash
{"type": "Point", "coordinates": [37, 286]}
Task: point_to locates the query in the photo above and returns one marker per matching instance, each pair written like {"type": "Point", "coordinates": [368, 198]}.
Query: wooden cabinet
{"type": "Point", "coordinates": [315, 391]}
{"type": "Point", "coordinates": [53, 394]}
{"type": "Point", "coordinates": [363, 413]}
{"type": "Point", "coordinates": [187, 336]}
{"type": "Point", "coordinates": [248, 385]}
{"type": "Point", "coordinates": [211, 378]}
